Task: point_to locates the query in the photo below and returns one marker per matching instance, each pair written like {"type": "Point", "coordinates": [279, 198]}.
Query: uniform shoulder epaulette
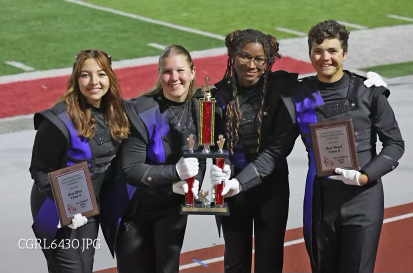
{"type": "Point", "coordinates": [305, 79]}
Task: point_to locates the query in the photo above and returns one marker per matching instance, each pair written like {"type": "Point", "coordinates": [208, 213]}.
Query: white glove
{"type": "Point", "coordinates": [231, 187]}
{"type": "Point", "coordinates": [374, 79]}
{"type": "Point", "coordinates": [349, 177]}
{"type": "Point", "coordinates": [187, 167]}
{"type": "Point", "coordinates": [77, 221]}
{"type": "Point", "coordinates": [181, 187]}
{"type": "Point", "coordinates": [217, 175]}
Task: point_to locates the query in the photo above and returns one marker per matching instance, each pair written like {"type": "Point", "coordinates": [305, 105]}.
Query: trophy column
{"type": "Point", "coordinates": [206, 139]}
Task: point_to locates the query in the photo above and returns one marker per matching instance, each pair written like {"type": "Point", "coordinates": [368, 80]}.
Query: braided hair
{"type": "Point", "coordinates": [235, 42]}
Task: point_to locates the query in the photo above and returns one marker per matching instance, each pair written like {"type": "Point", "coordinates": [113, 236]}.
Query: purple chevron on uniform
{"type": "Point", "coordinates": [79, 146]}
{"type": "Point", "coordinates": [304, 108]}
{"type": "Point", "coordinates": [46, 221]}
{"type": "Point", "coordinates": [305, 115]}
{"type": "Point", "coordinates": [157, 127]}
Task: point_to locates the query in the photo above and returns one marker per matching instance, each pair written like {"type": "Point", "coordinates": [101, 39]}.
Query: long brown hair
{"type": "Point", "coordinates": [235, 42]}
{"type": "Point", "coordinates": [176, 50]}
{"type": "Point", "coordinates": [79, 110]}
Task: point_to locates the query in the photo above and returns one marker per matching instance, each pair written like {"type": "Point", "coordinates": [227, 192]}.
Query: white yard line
{"type": "Point", "coordinates": [19, 65]}
{"type": "Point", "coordinates": [289, 243]}
{"type": "Point", "coordinates": [148, 20]}
{"type": "Point", "coordinates": [158, 46]}
{"type": "Point", "coordinates": [299, 33]}
{"type": "Point", "coordinates": [352, 25]}
{"type": "Point", "coordinates": [400, 17]}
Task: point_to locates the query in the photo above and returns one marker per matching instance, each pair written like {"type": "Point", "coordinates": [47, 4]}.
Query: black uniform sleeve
{"type": "Point", "coordinates": [284, 134]}
{"type": "Point", "coordinates": [49, 151]}
{"type": "Point", "coordinates": [386, 127]}
{"type": "Point", "coordinates": [133, 157]}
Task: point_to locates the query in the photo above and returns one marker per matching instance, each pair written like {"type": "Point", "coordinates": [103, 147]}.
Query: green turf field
{"type": "Point", "coordinates": [46, 34]}
{"type": "Point", "coordinates": [221, 17]}
{"type": "Point", "coordinates": [392, 70]}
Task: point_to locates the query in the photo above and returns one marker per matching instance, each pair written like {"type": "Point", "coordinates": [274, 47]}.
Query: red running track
{"type": "Point", "coordinates": [394, 254]}
{"type": "Point", "coordinates": [27, 97]}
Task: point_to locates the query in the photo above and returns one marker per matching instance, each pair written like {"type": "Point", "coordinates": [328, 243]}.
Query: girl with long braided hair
{"type": "Point", "coordinates": [250, 114]}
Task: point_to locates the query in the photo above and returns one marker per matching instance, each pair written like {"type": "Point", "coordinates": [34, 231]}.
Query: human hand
{"type": "Point", "coordinates": [217, 175]}
{"type": "Point", "coordinates": [77, 221]}
{"type": "Point", "coordinates": [231, 188]}
{"type": "Point", "coordinates": [187, 167]}
{"type": "Point", "coordinates": [349, 177]}
{"type": "Point", "coordinates": [181, 187]}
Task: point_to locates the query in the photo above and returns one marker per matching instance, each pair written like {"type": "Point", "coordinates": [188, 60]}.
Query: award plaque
{"type": "Point", "coordinates": [73, 192]}
{"type": "Point", "coordinates": [206, 139]}
{"type": "Point", "coordinates": [334, 146]}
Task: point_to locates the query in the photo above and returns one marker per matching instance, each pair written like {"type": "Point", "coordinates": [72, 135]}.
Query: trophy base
{"type": "Point", "coordinates": [201, 209]}
{"type": "Point", "coordinates": [210, 154]}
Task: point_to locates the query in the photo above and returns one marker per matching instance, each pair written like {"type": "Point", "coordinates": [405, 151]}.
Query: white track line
{"type": "Point", "coordinates": [149, 20]}
{"type": "Point", "coordinates": [158, 46]}
{"type": "Point", "coordinates": [289, 243]}
{"type": "Point", "coordinates": [19, 65]}
{"type": "Point", "coordinates": [400, 17]}
{"type": "Point", "coordinates": [397, 218]}
{"type": "Point", "coordinates": [290, 31]}
{"type": "Point", "coordinates": [352, 25]}
{"type": "Point", "coordinates": [27, 76]}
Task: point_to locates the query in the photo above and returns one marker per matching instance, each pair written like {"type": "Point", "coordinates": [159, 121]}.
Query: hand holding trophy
{"type": "Point", "coordinates": [206, 139]}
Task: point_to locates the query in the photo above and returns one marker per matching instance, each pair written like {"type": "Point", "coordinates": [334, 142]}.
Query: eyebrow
{"type": "Point", "coordinates": [251, 55]}
{"type": "Point", "coordinates": [85, 70]}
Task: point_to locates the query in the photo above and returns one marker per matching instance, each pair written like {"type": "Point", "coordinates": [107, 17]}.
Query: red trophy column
{"type": "Point", "coordinates": [219, 200]}
{"type": "Point", "coordinates": [189, 196]}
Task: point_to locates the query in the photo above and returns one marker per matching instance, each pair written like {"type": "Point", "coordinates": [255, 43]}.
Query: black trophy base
{"type": "Point", "coordinates": [201, 209]}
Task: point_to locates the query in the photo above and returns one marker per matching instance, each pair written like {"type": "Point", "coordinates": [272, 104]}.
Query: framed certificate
{"type": "Point", "coordinates": [73, 192]}
{"type": "Point", "coordinates": [334, 146]}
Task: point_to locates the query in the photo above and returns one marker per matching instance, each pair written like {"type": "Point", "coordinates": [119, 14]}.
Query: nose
{"type": "Point", "coordinates": [174, 75]}
{"type": "Point", "coordinates": [251, 64]}
{"type": "Point", "coordinates": [325, 55]}
{"type": "Point", "coordinates": [94, 80]}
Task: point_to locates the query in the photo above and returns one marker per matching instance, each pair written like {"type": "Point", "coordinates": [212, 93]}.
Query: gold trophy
{"type": "Point", "coordinates": [206, 139]}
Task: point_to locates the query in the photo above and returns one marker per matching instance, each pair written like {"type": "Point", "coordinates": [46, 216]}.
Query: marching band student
{"type": "Point", "coordinates": [87, 124]}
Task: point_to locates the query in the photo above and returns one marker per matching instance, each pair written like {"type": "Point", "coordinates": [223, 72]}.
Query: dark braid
{"type": "Point", "coordinates": [235, 42]}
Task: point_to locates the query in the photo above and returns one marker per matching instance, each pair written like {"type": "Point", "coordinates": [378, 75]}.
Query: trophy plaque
{"type": "Point", "coordinates": [73, 192]}
{"type": "Point", "coordinates": [334, 146]}
{"type": "Point", "coordinates": [217, 206]}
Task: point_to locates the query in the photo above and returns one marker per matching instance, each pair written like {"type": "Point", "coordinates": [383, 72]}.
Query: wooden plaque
{"type": "Point", "coordinates": [73, 192]}
{"type": "Point", "coordinates": [334, 146]}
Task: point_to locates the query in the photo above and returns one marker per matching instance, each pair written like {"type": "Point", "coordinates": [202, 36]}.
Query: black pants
{"type": "Point", "coordinates": [76, 252]}
{"type": "Point", "coordinates": [267, 210]}
{"type": "Point", "coordinates": [347, 225]}
{"type": "Point", "coordinates": [150, 239]}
